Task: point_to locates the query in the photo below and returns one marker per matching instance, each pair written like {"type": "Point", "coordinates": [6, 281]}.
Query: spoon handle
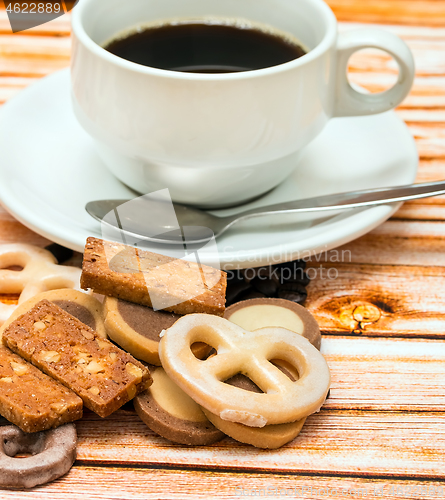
{"type": "Point", "coordinates": [354, 199]}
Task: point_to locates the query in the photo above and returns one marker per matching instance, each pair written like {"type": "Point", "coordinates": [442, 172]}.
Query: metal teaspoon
{"type": "Point", "coordinates": [200, 225]}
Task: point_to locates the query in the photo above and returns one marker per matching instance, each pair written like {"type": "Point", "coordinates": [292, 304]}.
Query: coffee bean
{"type": "Point", "coordinates": [299, 277]}
{"type": "Point", "coordinates": [235, 275]}
{"type": "Point", "coordinates": [293, 287]}
{"type": "Point", "coordinates": [61, 253]}
{"type": "Point", "coordinates": [236, 290]}
{"type": "Point", "coordinates": [266, 286]}
{"type": "Point", "coordinates": [253, 295]}
{"type": "Point", "coordinates": [296, 264]}
{"type": "Point", "coordinates": [287, 280]}
{"type": "Point", "coordinates": [265, 272]}
{"type": "Point", "coordinates": [296, 297]}
{"type": "Point", "coordinates": [293, 271]}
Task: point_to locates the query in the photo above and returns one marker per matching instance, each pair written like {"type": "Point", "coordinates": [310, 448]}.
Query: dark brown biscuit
{"type": "Point", "coordinates": [104, 376]}
{"type": "Point", "coordinates": [169, 412]}
{"type": "Point", "coordinates": [137, 329]}
{"type": "Point", "coordinates": [52, 454]}
{"type": "Point", "coordinates": [145, 320]}
{"type": "Point", "coordinates": [262, 313]}
{"type": "Point", "coordinates": [135, 275]}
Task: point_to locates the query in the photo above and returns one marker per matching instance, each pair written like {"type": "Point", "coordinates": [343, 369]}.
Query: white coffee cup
{"type": "Point", "coordinates": [218, 139]}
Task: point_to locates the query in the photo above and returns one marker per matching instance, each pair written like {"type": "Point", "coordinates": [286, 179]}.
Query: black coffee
{"type": "Point", "coordinates": [205, 48]}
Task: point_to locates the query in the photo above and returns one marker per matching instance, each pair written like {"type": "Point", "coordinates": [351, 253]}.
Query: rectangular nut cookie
{"type": "Point", "coordinates": [138, 276]}
{"type": "Point", "coordinates": [104, 376]}
{"type": "Point", "coordinates": [32, 400]}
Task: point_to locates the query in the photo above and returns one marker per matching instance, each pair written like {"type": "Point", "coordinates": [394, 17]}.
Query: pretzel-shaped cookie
{"type": "Point", "coordinates": [52, 454]}
{"type": "Point", "coordinates": [239, 351]}
{"type": "Point", "coordinates": [40, 273]}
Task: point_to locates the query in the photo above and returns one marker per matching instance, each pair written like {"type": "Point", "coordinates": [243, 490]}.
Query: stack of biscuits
{"type": "Point", "coordinates": [161, 336]}
{"type": "Point", "coordinates": [130, 278]}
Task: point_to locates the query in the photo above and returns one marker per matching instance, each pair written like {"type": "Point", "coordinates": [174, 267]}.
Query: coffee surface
{"type": "Point", "coordinates": [205, 48]}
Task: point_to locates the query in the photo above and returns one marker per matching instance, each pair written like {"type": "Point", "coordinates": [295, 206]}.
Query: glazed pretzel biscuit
{"type": "Point", "coordinates": [40, 273]}
{"type": "Point", "coordinates": [52, 454]}
{"type": "Point", "coordinates": [82, 306]}
{"type": "Point", "coordinates": [249, 353]}
{"type": "Point", "coordinates": [268, 437]}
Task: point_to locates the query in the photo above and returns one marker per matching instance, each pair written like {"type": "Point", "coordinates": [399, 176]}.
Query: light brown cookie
{"type": "Point", "coordinates": [137, 329]}
{"type": "Point", "coordinates": [269, 437]}
{"type": "Point", "coordinates": [82, 306]}
{"type": "Point", "coordinates": [262, 313]}
{"type": "Point", "coordinates": [169, 412]}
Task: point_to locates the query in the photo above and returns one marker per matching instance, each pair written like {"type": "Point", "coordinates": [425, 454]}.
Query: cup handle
{"type": "Point", "coordinates": [349, 102]}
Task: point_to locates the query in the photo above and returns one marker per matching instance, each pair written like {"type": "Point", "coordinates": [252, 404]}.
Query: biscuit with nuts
{"type": "Point", "coordinates": [82, 306]}
{"type": "Point", "coordinates": [104, 376]}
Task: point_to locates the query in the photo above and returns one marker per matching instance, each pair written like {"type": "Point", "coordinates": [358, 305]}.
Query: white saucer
{"type": "Point", "coordinates": [49, 171]}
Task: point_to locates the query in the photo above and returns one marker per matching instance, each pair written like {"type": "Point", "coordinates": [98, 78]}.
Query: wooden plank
{"type": "Point", "coordinates": [407, 32]}
{"type": "Point", "coordinates": [420, 116]}
{"type": "Point", "coordinates": [409, 12]}
{"type": "Point", "coordinates": [378, 300]}
{"type": "Point", "coordinates": [332, 442]}
{"type": "Point", "coordinates": [9, 298]}
{"type": "Point", "coordinates": [113, 483]}
{"type": "Point", "coordinates": [21, 46]}
{"type": "Point", "coordinates": [427, 54]}
{"type": "Point", "coordinates": [385, 374]}
{"type": "Point", "coordinates": [33, 67]}
{"type": "Point", "coordinates": [420, 211]}
{"type": "Point", "coordinates": [430, 140]}
{"type": "Point", "coordinates": [11, 231]}
{"type": "Point", "coordinates": [25, 56]}
{"type": "Point", "coordinates": [395, 242]}
{"type": "Point", "coordinates": [430, 209]}
{"type": "Point", "coordinates": [429, 171]}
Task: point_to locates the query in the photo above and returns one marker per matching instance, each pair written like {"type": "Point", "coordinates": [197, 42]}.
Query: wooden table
{"type": "Point", "coordinates": [382, 431]}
